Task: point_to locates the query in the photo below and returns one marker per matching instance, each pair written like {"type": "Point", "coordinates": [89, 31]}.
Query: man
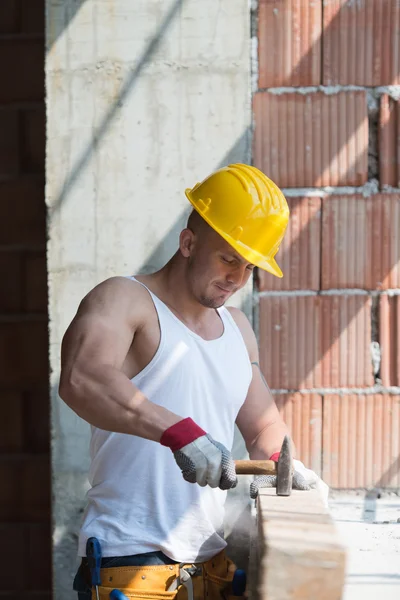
{"type": "Point", "coordinates": [162, 371]}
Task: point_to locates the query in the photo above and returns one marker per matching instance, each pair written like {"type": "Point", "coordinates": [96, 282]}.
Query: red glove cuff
{"type": "Point", "coordinates": [275, 456]}
{"type": "Point", "coordinates": [182, 433]}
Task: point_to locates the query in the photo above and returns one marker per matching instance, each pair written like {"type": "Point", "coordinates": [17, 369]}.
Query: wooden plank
{"type": "Point", "coordinates": [297, 553]}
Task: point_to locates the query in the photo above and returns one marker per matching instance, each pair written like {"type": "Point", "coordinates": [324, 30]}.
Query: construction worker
{"type": "Point", "coordinates": [162, 371]}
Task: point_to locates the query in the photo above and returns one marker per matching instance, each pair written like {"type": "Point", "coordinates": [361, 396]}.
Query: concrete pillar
{"type": "Point", "coordinates": [143, 99]}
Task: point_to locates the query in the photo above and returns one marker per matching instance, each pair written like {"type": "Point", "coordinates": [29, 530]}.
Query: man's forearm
{"type": "Point", "coordinates": [270, 440]}
{"type": "Point", "coordinates": [107, 399]}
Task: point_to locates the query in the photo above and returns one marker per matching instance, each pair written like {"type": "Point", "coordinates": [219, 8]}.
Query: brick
{"type": "Point", "coordinates": [367, 29]}
{"type": "Point", "coordinates": [37, 421]}
{"type": "Point", "coordinates": [389, 146]}
{"type": "Point", "coordinates": [9, 21]}
{"type": "Point", "coordinates": [302, 414]}
{"type": "Point", "coordinates": [38, 565]}
{"type": "Point", "coordinates": [361, 441]}
{"type": "Point", "coordinates": [361, 242]}
{"type": "Point", "coordinates": [33, 140]}
{"type": "Point", "coordinates": [315, 139]}
{"type": "Point", "coordinates": [289, 43]}
{"type": "Point", "coordinates": [11, 422]}
{"type": "Point", "coordinates": [346, 341]}
{"type": "Point", "coordinates": [11, 271]}
{"type": "Point", "coordinates": [35, 299]}
{"type": "Point", "coordinates": [9, 142]}
{"type": "Point", "coordinates": [316, 341]}
{"type": "Point", "coordinates": [23, 353]}
{"type": "Point", "coordinates": [289, 344]}
{"type": "Point", "coordinates": [389, 339]}
{"type": "Point", "coordinates": [22, 213]}
{"type": "Point", "coordinates": [12, 545]}
{"type": "Point", "coordinates": [24, 74]}
{"type": "Point", "coordinates": [299, 254]}
{"type": "Point", "coordinates": [26, 497]}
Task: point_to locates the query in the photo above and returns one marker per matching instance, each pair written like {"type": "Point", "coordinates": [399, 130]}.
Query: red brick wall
{"type": "Point", "coordinates": [339, 298]}
{"type": "Point", "coordinates": [25, 538]}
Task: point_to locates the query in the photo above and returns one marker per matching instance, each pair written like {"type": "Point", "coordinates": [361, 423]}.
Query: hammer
{"type": "Point", "coordinates": [283, 469]}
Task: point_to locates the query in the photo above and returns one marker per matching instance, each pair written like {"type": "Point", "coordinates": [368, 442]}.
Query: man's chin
{"type": "Point", "coordinates": [215, 302]}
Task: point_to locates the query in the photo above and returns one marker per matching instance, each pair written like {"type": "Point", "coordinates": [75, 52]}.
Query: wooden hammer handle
{"type": "Point", "coordinates": [255, 467]}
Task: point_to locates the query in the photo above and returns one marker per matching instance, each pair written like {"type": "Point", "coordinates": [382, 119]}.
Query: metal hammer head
{"type": "Point", "coordinates": [284, 469]}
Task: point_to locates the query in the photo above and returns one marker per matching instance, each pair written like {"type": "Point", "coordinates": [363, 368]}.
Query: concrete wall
{"type": "Point", "coordinates": [143, 100]}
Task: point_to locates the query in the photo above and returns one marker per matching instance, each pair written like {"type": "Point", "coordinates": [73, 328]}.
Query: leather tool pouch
{"type": "Point", "coordinates": [211, 581]}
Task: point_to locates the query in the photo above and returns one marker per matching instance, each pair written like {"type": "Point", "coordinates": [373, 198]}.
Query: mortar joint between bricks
{"type": "Point", "coordinates": [374, 294]}
{"type": "Point", "coordinates": [254, 66]}
{"type": "Point", "coordinates": [370, 188]}
{"type": "Point", "coordinates": [373, 142]}
{"type": "Point", "coordinates": [373, 93]}
{"type": "Point", "coordinates": [324, 391]}
{"type": "Point", "coordinates": [328, 90]}
{"type": "Point", "coordinates": [375, 348]}
{"type": "Point", "coordinates": [302, 293]}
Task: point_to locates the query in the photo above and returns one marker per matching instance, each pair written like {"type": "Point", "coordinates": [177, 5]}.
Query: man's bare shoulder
{"type": "Point", "coordinates": [245, 328]}
{"type": "Point", "coordinates": [117, 295]}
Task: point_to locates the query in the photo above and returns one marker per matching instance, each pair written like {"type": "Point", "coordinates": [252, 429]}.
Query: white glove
{"type": "Point", "coordinates": [201, 459]}
{"type": "Point", "coordinates": [207, 462]}
{"type": "Point", "coordinates": [312, 479]}
{"type": "Point", "coordinates": [303, 479]}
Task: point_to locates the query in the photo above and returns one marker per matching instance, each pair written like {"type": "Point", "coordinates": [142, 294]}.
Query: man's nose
{"type": "Point", "coordinates": [236, 275]}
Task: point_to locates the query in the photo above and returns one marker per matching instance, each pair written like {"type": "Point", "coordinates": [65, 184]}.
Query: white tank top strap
{"type": "Point", "coordinates": [230, 322]}
{"type": "Point", "coordinates": [161, 308]}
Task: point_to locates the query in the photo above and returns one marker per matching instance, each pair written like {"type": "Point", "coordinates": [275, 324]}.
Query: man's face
{"type": "Point", "coordinates": [215, 270]}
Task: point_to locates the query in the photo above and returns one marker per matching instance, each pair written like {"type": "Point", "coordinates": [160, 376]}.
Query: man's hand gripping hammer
{"type": "Point", "coordinates": [283, 469]}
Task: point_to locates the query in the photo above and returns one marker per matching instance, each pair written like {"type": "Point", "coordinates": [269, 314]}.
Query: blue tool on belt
{"type": "Point", "coordinates": [93, 554]}
{"type": "Point", "coordinates": [118, 595]}
{"type": "Point", "coordinates": [239, 582]}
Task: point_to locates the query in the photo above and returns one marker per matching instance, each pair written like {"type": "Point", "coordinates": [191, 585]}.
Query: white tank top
{"type": "Point", "coordinates": [139, 501]}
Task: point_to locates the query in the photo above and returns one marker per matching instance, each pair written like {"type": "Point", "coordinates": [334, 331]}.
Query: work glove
{"type": "Point", "coordinates": [303, 479]}
{"type": "Point", "coordinates": [201, 459]}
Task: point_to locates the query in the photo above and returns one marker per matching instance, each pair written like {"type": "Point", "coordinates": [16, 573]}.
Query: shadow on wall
{"type": "Point", "coordinates": [65, 11]}
{"type": "Point", "coordinates": [128, 87]}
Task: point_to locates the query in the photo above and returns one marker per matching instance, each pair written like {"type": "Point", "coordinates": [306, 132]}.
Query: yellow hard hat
{"type": "Point", "coordinates": [247, 209]}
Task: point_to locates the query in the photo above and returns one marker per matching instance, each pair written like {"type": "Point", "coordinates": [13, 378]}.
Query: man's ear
{"type": "Point", "coordinates": [186, 242]}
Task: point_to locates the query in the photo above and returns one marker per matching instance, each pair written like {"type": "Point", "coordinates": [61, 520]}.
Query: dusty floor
{"type": "Point", "coordinates": [370, 528]}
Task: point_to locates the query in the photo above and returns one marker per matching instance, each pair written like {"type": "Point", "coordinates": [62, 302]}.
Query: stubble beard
{"type": "Point", "coordinates": [211, 302]}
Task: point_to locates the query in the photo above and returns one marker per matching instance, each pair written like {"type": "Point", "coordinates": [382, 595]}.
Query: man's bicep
{"type": "Point", "coordinates": [259, 410]}
{"type": "Point", "coordinates": [95, 339]}
{"type": "Point", "coordinates": [100, 333]}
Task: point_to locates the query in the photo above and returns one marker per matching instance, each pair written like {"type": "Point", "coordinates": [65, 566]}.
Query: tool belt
{"type": "Point", "coordinates": [210, 580]}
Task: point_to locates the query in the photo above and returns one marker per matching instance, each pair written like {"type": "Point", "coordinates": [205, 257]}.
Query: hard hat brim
{"type": "Point", "coordinates": [254, 258]}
